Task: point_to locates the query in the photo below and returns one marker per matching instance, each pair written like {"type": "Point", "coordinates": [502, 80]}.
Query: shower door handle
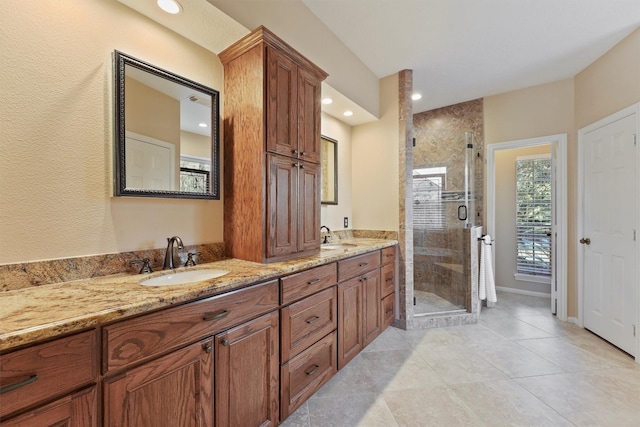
{"type": "Point", "coordinates": [462, 212]}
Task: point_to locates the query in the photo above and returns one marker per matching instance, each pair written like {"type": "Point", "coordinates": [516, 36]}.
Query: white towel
{"type": "Point", "coordinates": [487, 285]}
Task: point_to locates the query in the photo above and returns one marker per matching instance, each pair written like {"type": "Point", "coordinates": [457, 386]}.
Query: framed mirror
{"type": "Point", "coordinates": [166, 133]}
{"type": "Point", "coordinates": [329, 170]}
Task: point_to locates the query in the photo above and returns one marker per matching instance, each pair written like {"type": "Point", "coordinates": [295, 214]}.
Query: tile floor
{"type": "Point", "coordinates": [518, 366]}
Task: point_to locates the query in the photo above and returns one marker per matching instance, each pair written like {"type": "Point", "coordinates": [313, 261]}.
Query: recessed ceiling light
{"type": "Point", "coordinates": [202, 125]}
{"type": "Point", "coordinates": [170, 6]}
{"type": "Point", "coordinates": [416, 96]}
{"type": "Point", "coordinates": [348, 113]}
{"type": "Point", "coordinates": [327, 101]}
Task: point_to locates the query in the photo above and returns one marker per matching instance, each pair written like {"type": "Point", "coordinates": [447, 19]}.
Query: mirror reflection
{"type": "Point", "coordinates": [167, 133]}
{"type": "Point", "coordinates": [329, 156]}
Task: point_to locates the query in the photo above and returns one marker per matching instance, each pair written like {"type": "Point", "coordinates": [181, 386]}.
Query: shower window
{"type": "Point", "coordinates": [533, 215]}
{"type": "Point", "coordinates": [429, 212]}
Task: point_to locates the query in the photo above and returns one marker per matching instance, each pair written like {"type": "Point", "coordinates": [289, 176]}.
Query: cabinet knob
{"type": "Point", "coordinates": [586, 241]}
{"type": "Point", "coordinates": [225, 342]}
{"type": "Point", "coordinates": [295, 151]}
{"type": "Point", "coordinates": [303, 153]}
{"type": "Point", "coordinates": [208, 348]}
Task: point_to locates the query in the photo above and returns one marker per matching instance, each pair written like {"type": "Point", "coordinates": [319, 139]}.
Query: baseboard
{"type": "Point", "coordinates": [523, 292]}
{"type": "Point", "coordinates": [573, 320]}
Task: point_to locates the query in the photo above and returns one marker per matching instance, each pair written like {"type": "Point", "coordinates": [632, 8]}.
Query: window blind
{"type": "Point", "coordinates": [533, 216]}
{"type": "Point", "coordinates": [428, 209]}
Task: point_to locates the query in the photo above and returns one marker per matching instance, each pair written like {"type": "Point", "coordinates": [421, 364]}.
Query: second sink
{"type": "Point", "coordinates": [335, 246]}
{"type": "Point", "coordinates": [183, 277]}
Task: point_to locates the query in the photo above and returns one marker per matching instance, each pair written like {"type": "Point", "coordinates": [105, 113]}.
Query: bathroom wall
{"type": "Point", "coordinates": [505, 233]}
{"type": "Point", "coordinates": [375, 164]}
{"type": "Point", "coordinates": [56, 195]}
{"type": "Point", "coordinates": [333, 215]}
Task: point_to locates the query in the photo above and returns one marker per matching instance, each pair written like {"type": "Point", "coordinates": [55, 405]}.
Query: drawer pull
{"type": "Point", "coordinates": [313, 319]}
{"type": "Point", "coordinates": [313, 282]}
{"type": "Point", "coordinates": [225, 342]}
{"type": "Point", "coordinates": [312, 370]}
{"type": "Point", "coordinates": [19, 384]}
{"type": "Point", "coordinates": [390, 279]}
{"type": "Point", "coordinates": [216, 316]}
{"type": "Point", "coordinates": [363, 264]}
{"type": "Point", "coordinates": [389, 311]}
{"type": "Point", "coordinates": [389, 255]}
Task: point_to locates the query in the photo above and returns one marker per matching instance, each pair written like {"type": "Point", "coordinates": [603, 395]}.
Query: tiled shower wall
{"type": "Point", "coordinates": [440, 256]}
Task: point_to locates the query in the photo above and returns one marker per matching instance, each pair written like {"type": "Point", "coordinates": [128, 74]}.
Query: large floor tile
{"type": "Point", "coordinates": [389, 339]}
{"type": "Point", "coordinates": [505, 403]}
{"type": "Point", "coordinates": [300, 418]}
{"type": "Point", "coordinates": [430, 407]}
{"type": "Point", "coordinates": [581, 402]}
{"type": "Point", "coordinates": [514, 360]}
{"type": "Point", "coordinates": [427, 337]}
{"type": "Point", "coordinates": [352, 379]}
{"type": "Point", "coordinates": [457, 364]}
{"type": "Point", "coordinates": [567, 356]}
{"type": "Point", "coordinates": [400, 370]}
{"type": "Point", "coordinates": [513, 329]}
{"type": "Point", "coordinates": [365, 409]}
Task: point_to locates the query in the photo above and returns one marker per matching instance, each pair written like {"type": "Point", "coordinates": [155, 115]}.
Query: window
{"type": "Point", "coordinates": [533, 215]}
{"type": "Point", "coordinates": [428, 209]}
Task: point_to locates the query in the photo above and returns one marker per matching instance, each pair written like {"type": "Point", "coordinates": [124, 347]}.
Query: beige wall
{"type": "Point", "coordinates": [505, 234]}
{"type": "Point", "coordinates": [375, 163]}
{"type": "Point", "coordinates": [333, 215]}
{"type": "Point", "coordinates": [57, 138]}
{"type": "Point", "coordinates": [193, 144]}
{"type": "Point", "coordinates": [609, 84]}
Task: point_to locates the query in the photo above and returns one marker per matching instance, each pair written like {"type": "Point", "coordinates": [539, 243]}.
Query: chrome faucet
{"type": "Point", "coordinates": [327, 236]}
{"type": "Point", "coordinates": [168, 255]}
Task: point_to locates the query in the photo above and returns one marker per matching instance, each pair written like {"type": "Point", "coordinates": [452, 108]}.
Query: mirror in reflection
{"type": "Point", "coordinates": [329, 163]}
{"type": "Point", "coordinates": [166, 133]}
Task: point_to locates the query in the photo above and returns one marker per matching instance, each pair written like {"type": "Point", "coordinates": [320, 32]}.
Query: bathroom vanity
{"type": "Point", "coordinates": [247, 348]}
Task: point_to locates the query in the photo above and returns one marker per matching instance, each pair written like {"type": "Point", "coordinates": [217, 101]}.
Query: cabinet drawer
{"type": "Point", "coordinates": [40, 372]}
{"type": "Point", "coordinates": [144, 337]}
{"type": "Point", "coordinates": [357, 265]}
{"type": "Point", "coordinates": [300, 285]}
{"type": "Point", "coordinates": [308, 320]}
{"type": "Point", "coordinates": [388, 310]}
{"type": "Point", "coordinates": [388, 278]}
{"type": "Point", "coordinates": [388, 255]}
{"type": "Point", "coordinates": [306, 373]}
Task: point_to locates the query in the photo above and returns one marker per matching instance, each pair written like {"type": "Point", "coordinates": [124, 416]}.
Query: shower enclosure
{"type": "Point", "coordinates": [444, 211]}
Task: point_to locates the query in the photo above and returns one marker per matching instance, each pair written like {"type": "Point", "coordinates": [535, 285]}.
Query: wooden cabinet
{"type": "Point", "coordinates": [47, 371]}
{"type": "Point", "coordinates": [173, 390]}
{"type": "Point", "coordinates": [350, 330]}
{"type": "Point", "coordinates": [293, 206]}
{"type": "Point", "coordinates": [78, 409]}
{"type": "Point", "coordinates": [247, 374]}
{"type": "Point", "coordinates": [371, 312]}
{"type": "Point", "coordinates": [272, 150]}
{"type": "Point", "coordinates": [388, 285]}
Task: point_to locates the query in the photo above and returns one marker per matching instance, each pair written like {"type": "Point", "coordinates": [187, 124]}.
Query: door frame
{"type": "Point", "coordinates": [626, 112]}
{"type": "Point", "coordinates": [559, 146]}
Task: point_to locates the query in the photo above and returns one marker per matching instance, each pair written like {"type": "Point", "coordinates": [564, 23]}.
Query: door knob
{"type": "Point", "coordinates": [586, 241]}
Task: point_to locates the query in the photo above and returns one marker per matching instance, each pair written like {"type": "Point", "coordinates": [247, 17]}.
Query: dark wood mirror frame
{"type": "Point", "coordinates": [120, 185]}
{"type": "Point", "coordinates": [329, 170]}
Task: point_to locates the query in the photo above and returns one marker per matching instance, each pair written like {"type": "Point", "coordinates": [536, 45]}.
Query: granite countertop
{"type": "Point", "coordinates": [43, 312]}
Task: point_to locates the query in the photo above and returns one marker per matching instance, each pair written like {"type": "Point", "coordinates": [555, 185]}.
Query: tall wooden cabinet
{"type": "Point", "coordinates": [271, 150]}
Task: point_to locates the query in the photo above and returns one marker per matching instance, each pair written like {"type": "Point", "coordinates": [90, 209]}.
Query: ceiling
{"type": "Point", "coordinates": [458, 49]}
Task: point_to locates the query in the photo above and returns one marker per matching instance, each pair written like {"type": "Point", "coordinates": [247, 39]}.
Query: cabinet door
{"type": "Point", "coordinates": [372, 317]}
{"type": "Point", "coordinates": [174, 390]}
{"type": "Point", "coordinates": [308, 116]}
{"type": "Point", "coordinates": [247, 374]}
{"type": "Point", "coordinates": [281, 116]}
{"type": "Point", "coordinates": [76, 410]}
{"type": "Point", "coordinates": [309, 207]}
{"type": "Point", "coordinates": [350, 339]}
{"type": "Point", "coordinates": [282, 206]}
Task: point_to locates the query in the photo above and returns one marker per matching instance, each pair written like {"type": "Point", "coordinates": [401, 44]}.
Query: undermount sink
{"type": "Point", "coordinates": [332, 246]}
{"type": "Point", "coordinates": [183, 277]}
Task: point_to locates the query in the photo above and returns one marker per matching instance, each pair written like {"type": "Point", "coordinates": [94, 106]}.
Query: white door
{"type": "Point", "coordinates": [150, 163]}
{"type": "Point", "coordinates": [555, 223]}
{"type": "Point", "coordinates": [609, 236]}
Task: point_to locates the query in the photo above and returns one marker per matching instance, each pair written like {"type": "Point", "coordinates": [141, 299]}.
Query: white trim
{"type": "Point", "coordinates": [534, 156]}
{"type": "Point", "coordinates": [626, 112]}
{"type": "Point", "coordinates": [523, 292]}
{"type": "Point", "coordinates": [531, 278]}
{"type": "Point", "coordinates": [560, 142]}
{"type": "Point", "coordinates": [573, 320]}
